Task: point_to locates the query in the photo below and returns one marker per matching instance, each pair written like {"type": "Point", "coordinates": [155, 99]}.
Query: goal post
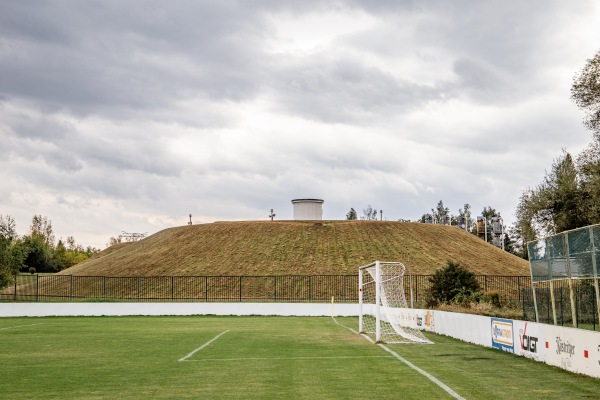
{"type": "Point", "coordinates": [383, 310]}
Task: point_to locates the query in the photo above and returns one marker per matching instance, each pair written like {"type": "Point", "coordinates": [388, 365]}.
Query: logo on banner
{"type": "Point", "coordinates": [502, 334]}
{"type": "Point", "coordinates": [528, 342]}
{"type": "Point", "coordinates": [429, 319]}
{"type": "Point", "coordinates": [564, 347]}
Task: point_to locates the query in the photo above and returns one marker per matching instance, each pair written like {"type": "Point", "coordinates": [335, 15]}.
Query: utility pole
{"type": "Point", "coordinates": [189, 223]}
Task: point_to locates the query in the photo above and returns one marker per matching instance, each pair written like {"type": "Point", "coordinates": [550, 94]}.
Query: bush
{"type": "Point", "coordinates": [453, 283]}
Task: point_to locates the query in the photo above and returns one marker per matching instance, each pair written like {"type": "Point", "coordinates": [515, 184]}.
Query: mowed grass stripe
{"type": "Point", "coordinates": [311, 358]}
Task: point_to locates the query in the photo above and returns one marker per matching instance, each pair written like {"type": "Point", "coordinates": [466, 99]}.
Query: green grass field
{"type": "Point", "coordinates": [254, 358]}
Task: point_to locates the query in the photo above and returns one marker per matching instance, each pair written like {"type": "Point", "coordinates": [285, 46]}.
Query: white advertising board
{"type": "Point", "coordinates": [529, 340]}
{"type": "Point", "coordinates": [572, 349]}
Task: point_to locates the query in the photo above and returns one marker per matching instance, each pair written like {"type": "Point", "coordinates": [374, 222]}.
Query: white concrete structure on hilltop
{"type": "Point", "coordinates": [308, 209]}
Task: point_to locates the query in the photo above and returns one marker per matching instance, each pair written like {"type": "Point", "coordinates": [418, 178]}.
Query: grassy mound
{"type": "Point", "coordinates": [298, 247]}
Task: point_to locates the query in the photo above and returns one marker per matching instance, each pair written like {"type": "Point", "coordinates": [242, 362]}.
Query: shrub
{"type": "Point", "coordinates": [31, 270]}
{"type": "Point", "coordinates": [453, 283]}
{"type": "Point", "coordinates": [493, 298]}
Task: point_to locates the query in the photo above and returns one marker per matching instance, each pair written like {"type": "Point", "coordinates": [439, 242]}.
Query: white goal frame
{"type": "Point", "coordinates": [383, 310]}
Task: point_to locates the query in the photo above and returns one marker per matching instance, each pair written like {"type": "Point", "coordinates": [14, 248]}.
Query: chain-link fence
{"type": "Point", "coordinates": [565, 278]}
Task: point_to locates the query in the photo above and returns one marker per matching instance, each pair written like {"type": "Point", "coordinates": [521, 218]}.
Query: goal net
{"type": "Point", "coordinates": [383, 311]}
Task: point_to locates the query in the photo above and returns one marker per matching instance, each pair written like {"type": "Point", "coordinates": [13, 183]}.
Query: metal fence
{"type": "Point", "coordinates": [566, 287]}
{"type": "Point", "coordinates": [280, 288]}
{"type": "Point", "coordinates": [556, 306]}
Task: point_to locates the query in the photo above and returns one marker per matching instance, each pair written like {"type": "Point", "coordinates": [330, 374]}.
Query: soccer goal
{"type": "Point", "coordinates": [383, 311]}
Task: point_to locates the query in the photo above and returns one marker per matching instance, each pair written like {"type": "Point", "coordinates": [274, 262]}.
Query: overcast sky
{"type": "Point", "coordinates": [131, 115]}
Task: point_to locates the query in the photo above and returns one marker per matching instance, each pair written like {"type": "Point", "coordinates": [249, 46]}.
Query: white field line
{"type": "Point", "coordinates": [286, 358]}
{"type": "Point", "coordinates": [405, 361]}
{"type": "Point", "coordinates": [203, 346]}
{"type": "Point", "coordinates": [353, 331]}
{"type": "Point", "coordinates": [19, 326]}
{"type": "Point", "coordinates": [424, 373]}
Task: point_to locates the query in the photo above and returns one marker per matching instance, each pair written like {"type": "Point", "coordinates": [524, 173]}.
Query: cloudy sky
{"type": "Point", "coordinates": [130, 115]}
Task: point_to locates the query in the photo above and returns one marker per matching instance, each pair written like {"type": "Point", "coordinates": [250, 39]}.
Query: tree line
{"type": "Point", "coordinates": [37, 251]}
{"type": "Point", "coordinates": [569, 195]}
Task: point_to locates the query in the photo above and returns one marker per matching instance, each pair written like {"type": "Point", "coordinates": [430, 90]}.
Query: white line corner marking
{"type": "Point", "coordinates": [203, 346]}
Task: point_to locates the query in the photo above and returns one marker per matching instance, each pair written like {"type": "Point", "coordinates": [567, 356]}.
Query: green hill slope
{"type": "Point", "coordinates": [299, 247]}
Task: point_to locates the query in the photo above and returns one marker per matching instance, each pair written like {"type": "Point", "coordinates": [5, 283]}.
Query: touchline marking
{"type": "Point", "coordinates": [18, 326]}
{"type": "Point", "coordinates": [424, 373]}
{"type": "Point", "coordinates": [353, 331]}
{"type": "Point", "coordinates": [343, 326]}
{"type": "Point", "coordinates": [419, 370]}
{"type": "Point", "coordinates": [203, 346]}
{"type": "Point", "coordinates": [286, 358]}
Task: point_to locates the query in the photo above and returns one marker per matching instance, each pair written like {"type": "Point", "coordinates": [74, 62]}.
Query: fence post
{"type": "Point", "coordinates": [37, 287]}
{"type": "Point", "coordinates": [71, 288]}
{"type": "Point", "coordinates": [240, 288]}
{"type": "Point", "coordinates": [16, 274]}
{"type": "Point", "coordinates": [595, 270]}
{"type": "Point", "coordinates": [138, 288]}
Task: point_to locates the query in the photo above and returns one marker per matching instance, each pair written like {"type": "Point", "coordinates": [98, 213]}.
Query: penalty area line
{"type": "Point", "coordinates": [288, 358]}
{"type": "Point", "coordinates": [203, 346]}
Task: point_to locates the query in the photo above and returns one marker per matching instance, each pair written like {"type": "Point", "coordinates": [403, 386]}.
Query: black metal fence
{"type": "Point", "coordinates": [584, 296]}
{"type": "Point", "coordinates": [280, 288]}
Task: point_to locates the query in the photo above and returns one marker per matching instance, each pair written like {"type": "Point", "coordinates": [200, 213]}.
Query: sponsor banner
{"type": "Point", "coordinates": [425, 320]}
{"type": "Point", "coordinates": [502, 334]}
{"type": "Point", "coordinates": [529, 340]}
{"type": "Point", "coordinates": [575, 350]}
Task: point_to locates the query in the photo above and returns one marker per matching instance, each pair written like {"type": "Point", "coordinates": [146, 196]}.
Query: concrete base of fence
{"type": "Point", "coordinates": [121, 309]}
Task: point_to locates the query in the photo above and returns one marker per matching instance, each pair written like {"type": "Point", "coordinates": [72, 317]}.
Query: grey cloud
{"type": "Point", "coordinates": [348, 91]}
{"type": "Point", "coordinates": [98, 60]}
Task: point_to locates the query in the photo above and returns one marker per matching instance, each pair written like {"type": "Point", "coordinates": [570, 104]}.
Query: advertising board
{"type": "Point", "coordinates": [502, 334]}
{"type": "Point", "coordinates": [573, 349]}
{"type": "Point", "coordinates": [530, 340]}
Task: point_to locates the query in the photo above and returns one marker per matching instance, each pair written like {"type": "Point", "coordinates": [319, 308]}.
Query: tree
{"type": "Point", "coordinates": [451, 282]}
{"type": "Point", "coordinates": [585, 92]}
{"type": "Point", "coordinates": [114, 240]}
{"type": "Point", "coordinates": [351, 215]}
{"type": "Point", "coordinates": [36, 253]}
{"type": "Point", "coordinates": [464, 219]}
{"type": "Point", "coordinates": [554, 206]}
{"type": "Point", "coordinates": [11, 258]}
{"type": "Point", "coordinates": [440, 213]}
{"type": "Point", "coordinates": [588, 167]}
{"type": "Point", "coordinates": [369, 213]}
{"type": "Point", "coordinates": [42, 227]}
